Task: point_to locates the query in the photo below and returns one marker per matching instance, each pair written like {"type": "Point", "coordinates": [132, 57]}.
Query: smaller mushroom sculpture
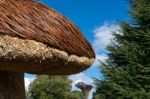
{"type": "Point", "coordinates": [38, 40]}
{"type": "Point", "coordinates": [85, 89]}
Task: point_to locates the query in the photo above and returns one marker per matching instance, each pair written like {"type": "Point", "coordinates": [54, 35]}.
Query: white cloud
{"type": "Point", "coordinates": [81, 77]}
{"type": "Point", "coordinates": [27, 82]}
{"type": "Point", "coordinates": [100, 58]}
{"type": "Point", "coordinates": [103, 37]}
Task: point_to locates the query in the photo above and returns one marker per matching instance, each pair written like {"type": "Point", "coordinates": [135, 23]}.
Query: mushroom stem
{"type": "Point", "coordinates": [12, 85]}
{"type": "Point", "coordinates": [86, 94]}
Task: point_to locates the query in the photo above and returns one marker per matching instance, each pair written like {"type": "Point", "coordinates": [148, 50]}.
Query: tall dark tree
{"type": "Point", "coordinates": [127, 71]}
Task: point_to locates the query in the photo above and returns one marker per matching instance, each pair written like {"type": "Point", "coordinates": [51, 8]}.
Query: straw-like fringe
{"type": "Point", "coordinates": [30, 20]}
{"type": "Point", "coordinates": [31, 56]}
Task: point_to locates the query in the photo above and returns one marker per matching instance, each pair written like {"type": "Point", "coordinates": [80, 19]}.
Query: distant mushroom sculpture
{"type": "Point", "coordinates": [38, 40]}
{"type": "Point", "coordinates": [85, 89]}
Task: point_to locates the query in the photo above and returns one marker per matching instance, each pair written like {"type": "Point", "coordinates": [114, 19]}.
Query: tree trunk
{"type": "Point", "coordinates": [12, 85]}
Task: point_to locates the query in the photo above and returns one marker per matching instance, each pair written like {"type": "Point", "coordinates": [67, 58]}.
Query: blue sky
{"type": "Point", "coordinates": [96, 19]}
{"type": "Point", "coordinates": [87, 14]}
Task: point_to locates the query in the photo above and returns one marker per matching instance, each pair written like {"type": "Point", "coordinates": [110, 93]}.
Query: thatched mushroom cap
{"type": "Point", "coordinates": [37, 39]}
{"type": "Point", "coordinates": [84, 86]}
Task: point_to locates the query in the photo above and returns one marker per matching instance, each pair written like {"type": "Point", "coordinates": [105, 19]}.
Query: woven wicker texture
{"type": "Point", "coordinates": [36, 39]}
{"type": "Point", "coordinates": [30, 20]}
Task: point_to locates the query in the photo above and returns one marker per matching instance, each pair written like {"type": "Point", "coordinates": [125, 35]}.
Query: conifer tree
{"type": "Point", "coordinates": [127, 71]}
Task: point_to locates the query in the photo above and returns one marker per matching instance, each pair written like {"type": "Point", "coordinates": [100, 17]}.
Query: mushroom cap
{"type": "Point", "coordinates": [84, 86]}
{"type": "Point", "coordinates": [36, 39]}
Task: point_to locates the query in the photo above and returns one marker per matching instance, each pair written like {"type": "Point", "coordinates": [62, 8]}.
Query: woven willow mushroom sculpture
{"type": "Point", "coordinates": [85, 89]}
{"type": "Point", "coordinates": [38, 40]}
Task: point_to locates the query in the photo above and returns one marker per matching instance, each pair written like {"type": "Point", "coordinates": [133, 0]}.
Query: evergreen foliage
{"type": "Point", "coordinates": [127, 71]}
